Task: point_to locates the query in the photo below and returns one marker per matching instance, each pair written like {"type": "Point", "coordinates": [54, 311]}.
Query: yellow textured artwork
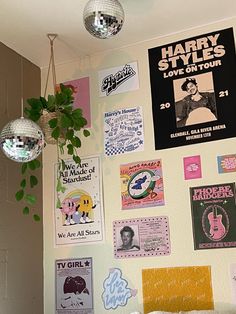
{"type": "Point", "coordinates": [177, 289]}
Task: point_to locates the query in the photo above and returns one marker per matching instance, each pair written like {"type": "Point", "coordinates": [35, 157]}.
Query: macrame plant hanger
{"type": "Point", "coordinates": [49, 115]}
{"type": "Point", "coordinates": [51, 38]}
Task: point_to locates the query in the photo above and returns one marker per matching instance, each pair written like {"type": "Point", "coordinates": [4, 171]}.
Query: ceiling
{"type": "Point", "coordinates": [25, 23]}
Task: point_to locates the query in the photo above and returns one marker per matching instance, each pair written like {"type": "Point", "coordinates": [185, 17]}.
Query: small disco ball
{"type": "Point", "coordinates": [103, 18]}
{"type": "Point", "coordinates": [22, 140]}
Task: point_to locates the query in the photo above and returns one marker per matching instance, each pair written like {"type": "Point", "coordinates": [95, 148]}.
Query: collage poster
{"type": "Point", "coordinates": [226, 163]}
{"type": "Point", "coordinates": [213, 216]}
{"type": "Point", "coordinates": [141, 184]}
{"type": "Point", "coordinates": [193, 95]}
{"type": "Point", "coordinates": [79, 209]}
{"type": "Point", "coordinates": [123, 131]}
{"type": "Point", "coordinates": [74, 286]}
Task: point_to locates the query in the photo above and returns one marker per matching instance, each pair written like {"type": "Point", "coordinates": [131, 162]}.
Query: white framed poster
{"type": "Point", "coordinates": [79, 208]}
{"type": "Point", "coordinates": [118, 79]}
{"type": "Point", "coordinates": [74, 286]}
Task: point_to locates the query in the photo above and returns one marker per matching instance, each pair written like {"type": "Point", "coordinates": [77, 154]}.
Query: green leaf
{"type": "Point", "coordinates": [43, 102]}
{"type": "Point", "coordinates": [76, 142]}
{"type": "Point", "coordinates": [70, 149]}
{"type": "Point", "coordinates": [51, 103]}
{"type": "Point", "coordinates": [32, 165]}
{"type": "Point", "coordinates": [77, 114]}
{"type": "Point", "coordinates": [33, 181]}
{"type": "Point", "coordinates": [19, 195]}
{"type": "Point", "coordinates": [66, 121]}
{"type": "Point", "coordinates": [31, 199]}
{"type": "Point", "coordinates": [63, 164]}
{"type": "Point", "coordinates": [60, 187]}
{"type": "Point", "coordinates": [24, 167]}
{"type": "Point", "coordinates": [86, 133]}
{"type": "Point", "coordinates": [53, 123]}
{"type": "Point", "coordinates": [26, 210]}
{"type": "Point", "coordinates": [23, 183]}
{"type": "Point", "coordinates": [69, 134]}
{"type": "Point", "coordinates": [36, 217]}
{"type": "Point", "coordinates": [77, 159]}
{"type": "Point", "coordinates": [58, 205]}
{"type": "Point", "coordinates": [37, 163]}
{"type": "Point", "coordinates": [56, 133]}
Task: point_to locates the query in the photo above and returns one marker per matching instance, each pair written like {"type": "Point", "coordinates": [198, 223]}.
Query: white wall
{"type": "Point", "coordinates": [177, 206]}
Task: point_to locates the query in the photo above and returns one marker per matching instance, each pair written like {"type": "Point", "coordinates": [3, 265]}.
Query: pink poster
{"type": "Point", "coordinates": [192, 167]}
{"type": "Point", "coordinates": [81, 96]}
{"type": "Point", "coordinates": [141, 184]}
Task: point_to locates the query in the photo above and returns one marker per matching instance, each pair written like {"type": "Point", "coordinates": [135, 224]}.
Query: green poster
{"type": "Point", "coordinates": [213, 216]}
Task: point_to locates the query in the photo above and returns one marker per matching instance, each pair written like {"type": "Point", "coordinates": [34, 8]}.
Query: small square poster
{"type": "Point", "coordinates": [192, 167]}
{"type": "Point", "coordinates": [142, 184]}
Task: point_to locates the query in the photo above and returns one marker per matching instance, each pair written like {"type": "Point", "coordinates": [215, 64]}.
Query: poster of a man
{"type": "Point", "coordinates": [198, 104]}
{"type": "Point", "coordinates": [128, 240]}
{"type": "Point", "coordinates": [193, 94]}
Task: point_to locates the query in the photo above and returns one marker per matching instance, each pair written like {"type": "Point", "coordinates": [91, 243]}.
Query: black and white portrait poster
{"type": "Point", "coordinates": [193, 89]}
{"type": "Point", "coordinates": [74, 286]}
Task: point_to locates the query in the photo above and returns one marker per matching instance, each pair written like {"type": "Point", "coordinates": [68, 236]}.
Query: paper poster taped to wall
{"type": "Point", "coordinates": [74, 286]}
{"type": "Point", "coordinates": [213, 216]}
{"type": "Point", "coordinates": [226, 163]}
{"type": "Point", "coordinates": [142, 184]}
{"type": "Point", "coordinates": [81, 96]}
{"type": "Point", "coordinates": [115, 290]}
{"type": "Point", "coordinates": [141, 237]}
{"type": "Point", "coordinates": [233, 281]}
{"type": "Point", "coordinates": [193, 97]}
{"type": "Point", "coordinates": [119, 79]}
{"type": "Point", "coordinates": [123, 131]}
{"type": "Point", "coordinates": [192, 167]}
{"type": "Point", "coordinates": [177, 289]}
{"type": "Point", "coordinates": [79, 209]}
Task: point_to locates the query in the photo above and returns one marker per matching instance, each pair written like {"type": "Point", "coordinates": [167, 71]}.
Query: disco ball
{"type": "Point", "coordinates": [22, 140]}
{"type": "Point", "coordinates": [103, 18]}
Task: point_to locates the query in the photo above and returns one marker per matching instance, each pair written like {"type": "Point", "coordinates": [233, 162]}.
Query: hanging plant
{"type": "Point", "coordinates": [65, 127]}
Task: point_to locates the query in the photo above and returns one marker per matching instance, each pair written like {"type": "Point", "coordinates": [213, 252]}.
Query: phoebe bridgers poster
{"type": "Point", "coordinates": [193, 89]}
{"type": "Point", "coordinates": [213, 216]}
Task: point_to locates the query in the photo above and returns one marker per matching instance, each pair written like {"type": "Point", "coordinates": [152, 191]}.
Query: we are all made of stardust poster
{"type": "Point", "coordinates": [193, 89]}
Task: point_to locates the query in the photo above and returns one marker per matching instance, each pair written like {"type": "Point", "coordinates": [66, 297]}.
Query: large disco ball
{"type": "Point", "coordinates": [103, 18]}
{"type": "Point", "coordinates": [22, 140]}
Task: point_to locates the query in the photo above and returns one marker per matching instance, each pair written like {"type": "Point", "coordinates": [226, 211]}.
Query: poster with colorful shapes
{"type": "Point", "coordinates": [226, 163]}
{"type": "Point", "coordinates": [213, 216]}
{"type": "Point", "coordinates": [177, 289]}
{"type": "Point", "coordinates": [115, 290]}
{"type": "Point", "coordinates": [118, 80]}
{"type": "Point", "coordinates": [141, 237]}
{"type": "Point", "coordinates": [79, 208]}
{"type": "Point", "coordinates": [142, 184]}
{"type": "Point", "coordinates": [81, 96]}
{"type": "Point", "coordinates": [192, 167]}
{"type": "Point", "coordinates": [123, 131]}
{"type": "Point", "coordinates": [74, 286]}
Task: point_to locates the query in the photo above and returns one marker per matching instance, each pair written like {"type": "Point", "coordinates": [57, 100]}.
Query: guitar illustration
{"type": "Point", "coordinates": [217, 229]}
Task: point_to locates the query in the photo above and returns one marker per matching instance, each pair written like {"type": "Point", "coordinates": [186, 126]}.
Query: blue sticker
{"type": "Point", "coordinates": [116, 292]}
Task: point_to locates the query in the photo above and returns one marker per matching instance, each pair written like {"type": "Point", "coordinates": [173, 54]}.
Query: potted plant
{"type": "Point", "coordinates": [62, 125]}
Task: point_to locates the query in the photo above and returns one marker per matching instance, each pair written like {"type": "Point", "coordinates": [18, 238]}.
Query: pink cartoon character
{"type": "Point", "coordinates": [69, 208]}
